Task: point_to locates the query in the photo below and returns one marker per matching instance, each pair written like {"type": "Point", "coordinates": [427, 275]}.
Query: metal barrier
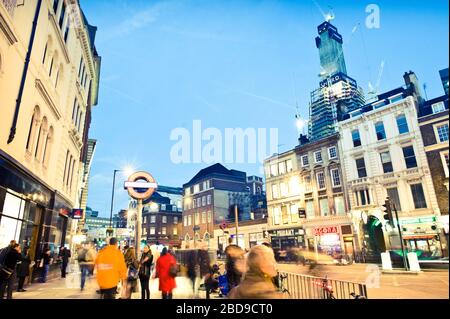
{"type": "Point", "coordinates": [298, 286]}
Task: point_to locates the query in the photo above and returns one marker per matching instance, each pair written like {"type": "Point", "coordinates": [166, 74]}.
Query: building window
{"type": "Point", "coordinates": [144, 231]}
{"type": "Point", "coordinates": [55, 5]}
{"type": "Point", "coordinates": [320, 176]}
{"type": "Point", "coordinates": [293, 209]}
{"type": "Point", "coordinates": [197, 218]}
{"type": "Point", "coordinates": [185, 222]}
{"type": "Point", "coordinates": [203, 200]}
{"type": "Point", "coordinates": [386, 162]}
{"type": "Point", "coordinates": [164, 219]}
{"type": "Point", "coordinates": [62, 14]}
{"type": "Point", "coordinates": [324, 207]}
{"type": "Point", "coordinates": [175, 220]}
{"type": "Point", "coordinates": [310, 209]}
{"type": "Point", "coordinates": [282, 168]}
{"type": "Point", "coordinates": [66, 32]}
{"type": "Point", "coordinates": [438, 107]}
{"type": "Point", "coordinates": [275, 193]}
{"type": "Point", "coordinates": [445, 163]}
{"type": "Point", "coordinates": [163, 230]}
{"type": "Point", "coordinates": [335, 177]}
{"type": "Point", "coordinates": [308, 184]}
{"type": "Point", "coordinates": [276, 215]}
{"type": "Point", "coordinates": [332, 153]}
{"type": "Point", "coordinates": [418, 196]}
{"type": "Point", "coordinates": [208, 199]}
{"type": "Point", "coordinates": [339, 205]}
{"type": "Point", "coordinates": [196, 188]}
{"type": "Point", "coordinates": [289, 166]}
{"type": "Point", "coordinates": [410, 157]}
{"type": "Point", "coordinates": [45, 53]}
{"type": "Point", "coordinates": [356, 138]}
{"type": "Point", "coordinates": [361, 167]}
{"type": "Point", "coordinates": [199, 202]}
{"type": "Point", "coordinates": [379, 129]}
{"type": "Point", "coordinates": [274, 170]}
{"type": "Point", "coordinates": [189, 220]}
{"type": "Point", "coordinates": [318, 157]}
{"type": "Point", "coordinates": [392, 193]}
{"type": "Point", "coordinates": [363, 197]}
{"type": "Point", "coordinates": [284, 214]}
{"type": "Point", "coordinates": [442, 132]}
{"type": "Point", "coordinates": [152, 230]}
{"type": "Point", "coordinates": [152, 219]}
{"type": "Point", "coordinates": [402, 124]}
{"type": "Point", "coordinates": [187, 191]}
{"type": "Point", "coordinates": [305, 160]}
{"type": "Point", "coordinates": [209, 217]}
{"type": "Point", "coordinates": [203, 217]}
{"type": "Point", "coordinates": [174, 231]}
{"type": "Point", "coordinates": [283, 190]}
{"type": "Point", "coordinates": [163, 207]}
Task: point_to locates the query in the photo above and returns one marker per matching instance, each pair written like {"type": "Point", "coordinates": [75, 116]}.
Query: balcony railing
{"type": "Point", "coordinates": [9, 5]}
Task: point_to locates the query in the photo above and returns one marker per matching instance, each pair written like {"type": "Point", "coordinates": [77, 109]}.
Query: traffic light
{"type": "Point", "coordinates": [387, 210]}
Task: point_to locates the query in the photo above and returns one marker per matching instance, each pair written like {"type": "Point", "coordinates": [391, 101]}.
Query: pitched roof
{"type": "Point", "coordinates": [216, 169]}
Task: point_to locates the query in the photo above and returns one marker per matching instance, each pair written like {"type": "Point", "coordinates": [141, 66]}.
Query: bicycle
{"type": "Point", "coordinates": [326, 287]}
{"type": "Point", "coordinates": [281, 286]}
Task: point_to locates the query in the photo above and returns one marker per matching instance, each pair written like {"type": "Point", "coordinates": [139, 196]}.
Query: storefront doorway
{"type": "Point", "coordinates": [375, 237]}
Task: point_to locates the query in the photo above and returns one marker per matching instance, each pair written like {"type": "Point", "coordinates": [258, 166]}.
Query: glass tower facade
{"type": "Point", "coordinates": [338, 94]}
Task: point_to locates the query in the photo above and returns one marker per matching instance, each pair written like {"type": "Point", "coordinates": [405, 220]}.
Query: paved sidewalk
{"type": "Point", "coordinates": [69, 288]}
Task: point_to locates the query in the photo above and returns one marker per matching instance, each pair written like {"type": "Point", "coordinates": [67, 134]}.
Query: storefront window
{"type": "Point", "coordinates": [11, 219]}
{"type": "Point", "coordinates": [310, 209]}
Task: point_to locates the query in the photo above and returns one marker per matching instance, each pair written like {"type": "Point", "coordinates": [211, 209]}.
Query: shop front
{"type": "Point", "coordinates": [285, 240]}
{"type": "Point", "coordinates": [30, 212]}
{"type": "Point", "coordinates": [335, 241]}
{"type": "Point", "coordinates": [421, 235]}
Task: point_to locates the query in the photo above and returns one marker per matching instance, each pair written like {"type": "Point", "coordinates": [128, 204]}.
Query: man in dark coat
{"type": "Point", "coordinates": [8, 270]}
{"type": "Point", "coordinates": [64, 255]}
{"type": "Point", "coordinates": [23, 269]}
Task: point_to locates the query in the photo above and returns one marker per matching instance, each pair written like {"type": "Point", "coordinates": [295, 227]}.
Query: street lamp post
{"type": "Point", "coordinates": [112, 201]}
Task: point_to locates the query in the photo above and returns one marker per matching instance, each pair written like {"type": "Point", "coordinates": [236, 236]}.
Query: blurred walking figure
{"type": "Point", "coordinates": [132, 273]}
{"type": "Point", "coordinates": [166, 271]}
{"type": "Point", "coordinates": [111, 268]}
{"type": "Point", "coordinates": [8, 269]}
{"type": "Point", "coordinates": [193, 268]}
{"type": "Point", "coordinates": [257, 282]}
{"type": "Point", "coordinates": [86, 260]}
{"type": "Point", "coordinates": [234, 265]}
{"type": "Point", "coordinates": [145, 271]}
{"type": "Point", "coordinates": [23, 269]}
{"type": "Point", "coordinates": [46, 260]}
{"type": "Point", "coordinates": [64, 255]}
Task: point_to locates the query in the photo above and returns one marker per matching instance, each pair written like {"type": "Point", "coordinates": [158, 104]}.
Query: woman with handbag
{"type": "Point", "coordinates": [166, 271]}
{"type": "Point", "coordinates": [133, 273]}
{"type": "Point", "coordinates": [145, 271]}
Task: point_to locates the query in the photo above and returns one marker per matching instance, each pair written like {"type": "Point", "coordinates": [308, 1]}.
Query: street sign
{"type": "Point", "coordinates": [302, 213]}
{"type": "Point", "coordinates": [77, 214]}
{"type": "Point", "coordinates": [140, 185]}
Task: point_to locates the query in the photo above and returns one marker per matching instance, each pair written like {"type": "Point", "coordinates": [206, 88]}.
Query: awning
{"type": "Point", "coordinates": [425, 236]}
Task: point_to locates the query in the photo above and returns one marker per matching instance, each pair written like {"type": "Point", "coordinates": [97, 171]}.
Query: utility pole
{"type": "Point", "coordinates": [236, 223]}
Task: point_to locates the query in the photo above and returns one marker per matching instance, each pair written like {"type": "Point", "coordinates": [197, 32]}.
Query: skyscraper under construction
{"type": "Point", "coordinates": [338, 94]}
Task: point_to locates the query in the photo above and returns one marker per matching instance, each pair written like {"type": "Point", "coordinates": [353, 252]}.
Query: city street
{"type": "Point", "coordinates": [430, 284]}
{"type": "Point", "coordinates": [69, 288]}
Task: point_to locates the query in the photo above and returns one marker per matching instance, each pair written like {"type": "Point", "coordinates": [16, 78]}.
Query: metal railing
{"type": "Point", "coordinates": [298, 286]}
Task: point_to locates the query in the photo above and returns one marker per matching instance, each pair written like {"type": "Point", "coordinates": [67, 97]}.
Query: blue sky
{"type": "Point", "coordinates": [235, 64]}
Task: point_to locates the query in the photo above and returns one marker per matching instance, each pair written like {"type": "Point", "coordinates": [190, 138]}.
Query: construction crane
{"type": "Point", "coordinates": [373, 91]}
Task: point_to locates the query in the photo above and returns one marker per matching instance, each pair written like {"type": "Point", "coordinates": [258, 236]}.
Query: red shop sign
{"type": "Point", "coordinates": [319, 231]}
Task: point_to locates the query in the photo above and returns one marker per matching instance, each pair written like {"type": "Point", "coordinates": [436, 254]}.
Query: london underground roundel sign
{"type": "Point", "coordinates": [140, 185]}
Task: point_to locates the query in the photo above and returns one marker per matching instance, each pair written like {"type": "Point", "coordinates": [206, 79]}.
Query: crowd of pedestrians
{"type": "Point", "coordinates": [119, 273]}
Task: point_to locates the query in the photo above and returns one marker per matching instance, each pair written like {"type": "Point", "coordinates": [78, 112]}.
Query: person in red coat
{"type": "Point", "coordinates": [163, 271]}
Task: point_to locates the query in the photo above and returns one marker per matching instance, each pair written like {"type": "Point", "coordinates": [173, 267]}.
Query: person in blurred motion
{"type": "Point", "coordinates": [166, 269]}
{"type": "Point", "coordinates": [257, 282]}
{"type": "Point", "coordinates": [234, 265]}
{"type": "Point", "coordinates": [133, 273]}
{"type": "Point", "coordinates": [46, 260]}
{"type": "Point", "coordinates": [64, 255]}
{"type": "Point", "coordinates": [8, 270]}
{"type": "Point", "coordinates": [111, 268]}
{"type": "Point", "coordinates": [193, 268]}
{"type": "Point", "coordinates": [23, 269]}
{"type": "Point", "coordinates": [86, 259]}
{"type": "Point", "coordinates": [212, 280]}
{"type": "Point", "coordinates": [145, 270]}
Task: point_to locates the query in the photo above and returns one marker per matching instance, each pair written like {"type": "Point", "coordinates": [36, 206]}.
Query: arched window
{"type": "Point", "coordinates": [41, 138]}
{"type": "Point", "coordinates": [47, 147]}
{"type": "Point", "coordinates": [33, 126]}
